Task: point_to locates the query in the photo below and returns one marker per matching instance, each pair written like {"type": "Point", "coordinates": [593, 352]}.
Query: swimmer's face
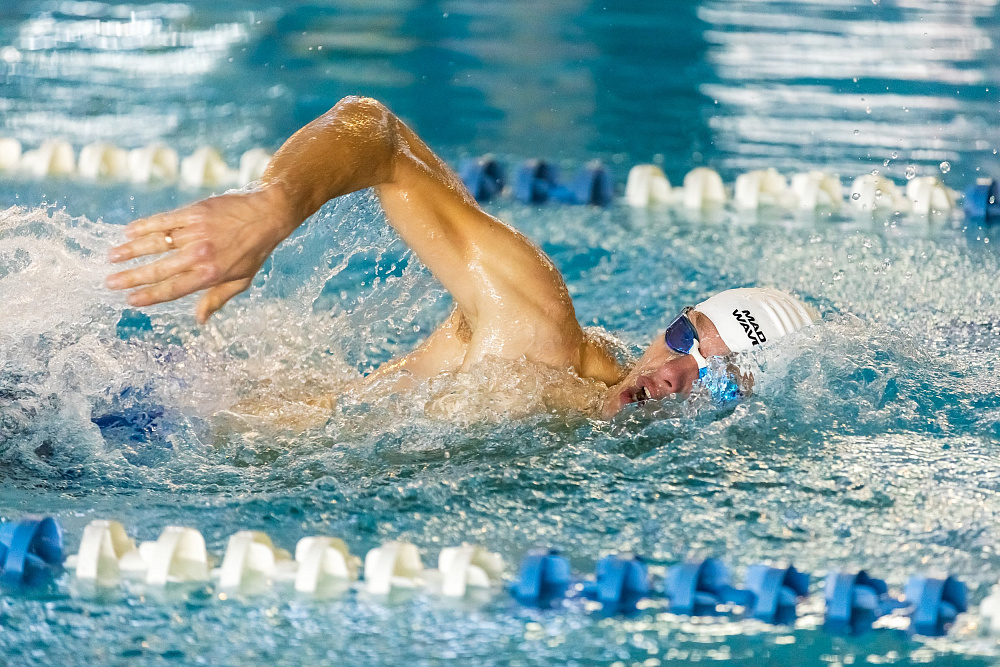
{"type": "Point", "coordinates": [661, 372]}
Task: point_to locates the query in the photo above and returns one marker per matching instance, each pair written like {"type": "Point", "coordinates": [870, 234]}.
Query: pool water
{"type": "Point", "coordinates": [872, 440]}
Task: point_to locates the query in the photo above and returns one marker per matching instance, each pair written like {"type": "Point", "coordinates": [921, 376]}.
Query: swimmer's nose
{"type": "Point", "coordinates": [674, 378]}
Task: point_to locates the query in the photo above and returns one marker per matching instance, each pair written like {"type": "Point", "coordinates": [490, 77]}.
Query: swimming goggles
{"type": "Point", "coordinates": [682, 337]}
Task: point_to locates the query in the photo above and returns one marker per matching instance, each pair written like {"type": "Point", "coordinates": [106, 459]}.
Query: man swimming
{"type": "Point", "coordinates": [510, 300]}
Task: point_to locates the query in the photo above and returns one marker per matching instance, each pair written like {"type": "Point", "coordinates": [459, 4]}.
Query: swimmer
{"type": "Point", "coordinates": [510, 299]}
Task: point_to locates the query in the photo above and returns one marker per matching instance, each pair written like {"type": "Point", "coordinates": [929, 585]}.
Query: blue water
{"type": "Point", "coordinates": [873, 439]}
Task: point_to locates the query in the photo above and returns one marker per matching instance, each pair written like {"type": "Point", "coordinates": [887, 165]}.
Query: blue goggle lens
{"type": "Point", "coordinates": [681, 334]}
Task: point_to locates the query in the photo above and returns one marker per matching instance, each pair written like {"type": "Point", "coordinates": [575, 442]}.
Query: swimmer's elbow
{"type": "Point", "coordinates": [373, 125]}
{"type": "Point", "coordinates": [362, 107]}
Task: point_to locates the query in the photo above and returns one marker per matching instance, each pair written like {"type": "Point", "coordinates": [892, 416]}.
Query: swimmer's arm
{"type": "Point", "coordinates": [442, 351]}
{"type": "Point", "coordinates": [221, 242]}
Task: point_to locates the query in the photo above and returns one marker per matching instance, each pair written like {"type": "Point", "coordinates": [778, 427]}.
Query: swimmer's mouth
{"type": "Point", "coordinates": [640, 396]}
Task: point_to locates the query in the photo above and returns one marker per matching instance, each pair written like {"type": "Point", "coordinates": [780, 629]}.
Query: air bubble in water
{"type": "Point", "coordinates": [894, 155]}
{"type": "Point", "coordinates": [874, 172]}
{"type": "Point", "coordinates": [857, 132]}
{"type": "Point", "coordinates": [856, 196]}
{"type": "Point", "coordinates": [885, 162]}
{"type": "Point", "coordinates": [945, 167]}
{"type": "Point", "coordinates": [911, 171]}
{"type": "Point", "coordinates": [868, 109]}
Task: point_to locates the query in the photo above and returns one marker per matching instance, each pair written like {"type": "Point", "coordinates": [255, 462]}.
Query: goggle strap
{"type": "Point", "coordinates": [696, 353]}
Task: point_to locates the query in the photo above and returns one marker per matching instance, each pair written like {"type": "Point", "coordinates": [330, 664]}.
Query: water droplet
{"type": "Point", "coordinates": [874, 172]}
{"type": "Point", "coordinates": [894, 155]}
{"type": "Point", "coordinates": [885, 163]}
{"type": "Point", "coordinates": [856, 196]}
{"type": "Point", "coordinates": [868, 109]}
{"type": "Point", "coordinates": [857, 132]}
{"type": "Point", "coordinates": [911, 171]}
{"type": "Point", "coordinates": [945, 167]}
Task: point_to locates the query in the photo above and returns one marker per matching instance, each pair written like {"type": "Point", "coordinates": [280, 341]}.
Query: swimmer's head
{"type": "Point", "coordinates": [731, 321]}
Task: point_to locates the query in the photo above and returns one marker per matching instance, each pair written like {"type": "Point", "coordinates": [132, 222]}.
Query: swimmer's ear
{"type": "Point", "coordinates": [216, 298]}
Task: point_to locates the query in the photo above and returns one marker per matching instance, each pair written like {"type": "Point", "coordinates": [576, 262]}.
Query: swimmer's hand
{"type": "Point", "coordinates": [219, 244]}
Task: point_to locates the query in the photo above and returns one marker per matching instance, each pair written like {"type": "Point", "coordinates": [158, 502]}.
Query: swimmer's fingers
{"type": "Point", "coordinates": [158, 223]}
{"type": "Point", "coordinates": [172, 288]}
{"type": "Point", "coordinates": [153, 243]}
{"type": "Point", "coordinates": [148, 274]}
{"type": "Point", "coordinates": [217, 297]}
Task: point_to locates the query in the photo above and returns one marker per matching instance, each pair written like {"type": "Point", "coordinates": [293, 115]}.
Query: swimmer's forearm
{"type": "Point", "coordinates": [349, 148]}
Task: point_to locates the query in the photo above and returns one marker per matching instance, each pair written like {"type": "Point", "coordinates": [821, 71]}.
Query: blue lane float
{"type": "Point", "coordinates": [982, 201]}
{"type": "Point", "coordinates": [854, 601]}
{"type": "Point", "coordinates": [619, 583]}
{"type": "Point", "coordinates": [544, 577]}
{"type": "Point", "coordinates": [698, 588]}
{"type": "Point", "coordinates": [776, 591]}
{"type": "Point", "coordinates": [31, 551]}
{"type": "Point", "coordinates": [933, 604]}
{"type": "Point", "coordinates": [483, 176]}
{"type": "Point", "coordinates": [537, 182]}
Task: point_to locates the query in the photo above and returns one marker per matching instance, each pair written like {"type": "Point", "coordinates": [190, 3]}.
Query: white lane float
{"type": "Point", "coordinates": [253, 163]}
{"type": "Point", "coordinates": [323, 561]}
{"type": "Point", "coordinates": [153, 163]}
{"type": "Point", "coordinates": [465, 567]}
{"type": "Point", "coordinates": [393, 565]}
{"type": "Point", "coordinates": [206, 168]}
{"type": "Point", "coordinates": [817, 190]}
{"type": "Point", "coordinates": [871, 192]}
{"type": "Point", "coordinates": [103, 161]}
{"type": "Point", "coordinates": [103, 545]}
{"type": "Point", "coordinates": [178, 555]}
{"type": "Point", "coordinates": [928, 194]}
{"type": "Point", "coordinates": [252, 557]}
{"type": "Point", "coordinates": [107, 555]}
{"type": "Point", "coordinates": [989, 609]}
{"type": "Point", "coordinates": [647, 185]}
{"type": "Point", "coordinates": [760, 188]}
{"type": "Point", "coordinates": [10, 153]}
{"type": "Point", "coordinates": [52, 158]}
{"type": "Point", "coordinates": [703, 188]}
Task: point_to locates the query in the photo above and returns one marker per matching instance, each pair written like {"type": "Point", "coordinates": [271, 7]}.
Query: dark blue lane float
{"type": "Point", "coordinates": [933, 604]}
{"type": "Point", "coordinates": [543, 579]}
{"type": "Point", "coordinates": [619, 583]}
{"type": "Point", "coordinates": [483, 176]}
{"type": "Point", "coordinates": [537, 182]}
{"type": "Point", "coordinates": [776, 591]}
{"type": "Point", "coordinates": [982, 202]}
{"type": "Point", "coordinates": [31, 551]}
{"type": "Point", "coordinates": [854, 601]}
{"type": "Point", "coordinates": [700, 588]}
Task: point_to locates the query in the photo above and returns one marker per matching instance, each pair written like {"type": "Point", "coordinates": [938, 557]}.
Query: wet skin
{"type": "Point", "coordinates": [510, 300]}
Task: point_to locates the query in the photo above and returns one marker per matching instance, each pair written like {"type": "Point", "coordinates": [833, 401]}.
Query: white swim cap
{"type": "Point", "coordinates": [755, 315]}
